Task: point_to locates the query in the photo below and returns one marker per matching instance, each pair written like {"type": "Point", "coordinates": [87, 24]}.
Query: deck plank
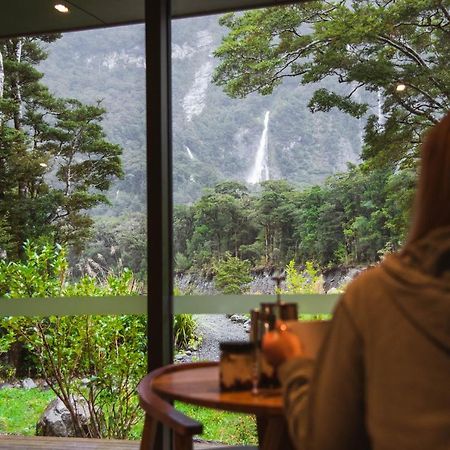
{"type": "Point", "coordinates": [10, 442]}
{"type": "Point", "coordinates": [55, 443]}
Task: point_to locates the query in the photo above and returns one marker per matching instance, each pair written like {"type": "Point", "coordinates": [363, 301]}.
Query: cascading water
{"type": "Point", "coordinates": [260, 170]}
{"type": "Point", "coordinates": [191, 156]}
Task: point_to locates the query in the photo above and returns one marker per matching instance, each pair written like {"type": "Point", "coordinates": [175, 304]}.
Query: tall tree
{"type": "Point", "coordinates": [276, 209]}
{"type": "Point", "coordinates": [55, 162]}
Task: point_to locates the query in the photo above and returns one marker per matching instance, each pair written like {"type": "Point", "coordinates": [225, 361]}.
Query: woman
{"type": "Point", "coordinates": [382, 379]}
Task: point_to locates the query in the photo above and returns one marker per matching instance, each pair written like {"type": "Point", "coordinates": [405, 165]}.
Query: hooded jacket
{"type": "Point", "coordinates": [382, 378]}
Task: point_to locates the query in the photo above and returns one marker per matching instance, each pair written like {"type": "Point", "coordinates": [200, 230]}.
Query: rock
{"type": "Point", "coordinates": [236, 318]}
{"type": "Point", "coordinates": [6, 386]}
{"type": "Point", "coordinates": [43, 385]}
{"type": "Point", "coordinates": [262, 283]}
{"type": "Point", "coordinates": [334, 291]}
{"type": "Point", "coordinates": [57, 421]}
{"type": "Point", "coordinates": [339, 277]}
{"type": "Point", "coordinates": [28, 383]}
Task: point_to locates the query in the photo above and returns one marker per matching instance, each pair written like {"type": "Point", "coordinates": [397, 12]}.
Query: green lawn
{"type": "Point", "coordinates": [235, 429]}
{"type": "Point", "coordinates": [20, 410]}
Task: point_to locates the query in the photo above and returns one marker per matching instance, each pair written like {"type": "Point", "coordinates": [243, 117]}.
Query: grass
{"type": "Point", "coordinates": [221, 426]}
{"type": "Point", "coordinates": [20, 409]}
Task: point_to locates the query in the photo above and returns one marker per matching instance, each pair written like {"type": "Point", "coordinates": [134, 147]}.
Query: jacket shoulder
{"type": "Point", "coordinates": [365, 291]}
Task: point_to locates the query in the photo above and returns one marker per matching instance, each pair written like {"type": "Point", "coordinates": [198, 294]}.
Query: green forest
{"type": "Point", "coordinates": [58, 163]}
{"type": "Point", "coordinates": [353, 219]}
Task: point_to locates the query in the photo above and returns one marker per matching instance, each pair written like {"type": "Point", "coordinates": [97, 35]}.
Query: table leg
{"type": "Point", "coordinates": [273, 433]}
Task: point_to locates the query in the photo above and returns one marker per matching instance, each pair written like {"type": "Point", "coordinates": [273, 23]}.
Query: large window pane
{"type": "Point", "coordinates": [292, 143]}
{"type": "Point", "coordinates": [73, 228]}
{"type": "Point", "coordinates": [296, 132]}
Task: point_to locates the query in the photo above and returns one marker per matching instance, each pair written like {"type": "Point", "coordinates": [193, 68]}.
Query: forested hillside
{"type": "Point", "coordinates": [296, 133]}
{"type": "Point", "coordinates": [215, 137]}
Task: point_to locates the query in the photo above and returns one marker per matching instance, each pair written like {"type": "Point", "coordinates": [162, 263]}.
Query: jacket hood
{"type": "Point", "coordinates": [421, 275]}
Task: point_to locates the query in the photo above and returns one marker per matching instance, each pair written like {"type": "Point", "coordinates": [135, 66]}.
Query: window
{"type": "Point", "coordinates": [73, 231]}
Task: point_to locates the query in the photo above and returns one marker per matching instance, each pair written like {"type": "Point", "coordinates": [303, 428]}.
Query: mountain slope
{"type": "Point", "coordinates": [214, 137]}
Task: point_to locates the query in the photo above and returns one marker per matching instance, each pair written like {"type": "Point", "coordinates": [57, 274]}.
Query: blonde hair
{"type": "Point", "coordinates": [432, 200]}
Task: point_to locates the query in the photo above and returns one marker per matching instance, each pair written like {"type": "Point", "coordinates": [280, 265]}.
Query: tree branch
{"type": "Point", "coordinates": [444, 11]}
{"type": "Point", "coordinates": [414, 110]}
{"type": "Point", "coordinates": [405, 49]}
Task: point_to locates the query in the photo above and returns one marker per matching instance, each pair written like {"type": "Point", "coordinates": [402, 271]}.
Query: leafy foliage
{"type": "Point", "coordinates": [184, 331]}
{"type": "Point", "coordinates": [307, 281]}
{"type": "Point", "coordinates": [98, 358]}
{"type": "Point", "coordinates": [231, 274]}
{"type": "Point", "coordinates": [345, 221]}
{"type": "Point", "coordinates": [55, 162]}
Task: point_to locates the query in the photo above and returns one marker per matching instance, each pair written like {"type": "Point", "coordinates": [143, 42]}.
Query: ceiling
{"type": "Point", "coordinates": [21, 17]}
{"type": "Point", "coordinates": [38, 16]}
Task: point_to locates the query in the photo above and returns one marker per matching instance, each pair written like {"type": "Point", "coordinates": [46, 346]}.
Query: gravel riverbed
{"type": "Point", "coordinates": [215, 328]}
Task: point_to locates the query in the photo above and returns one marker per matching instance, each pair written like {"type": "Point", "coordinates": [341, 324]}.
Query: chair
{"type": "Point", "coordinates": [158, 410]}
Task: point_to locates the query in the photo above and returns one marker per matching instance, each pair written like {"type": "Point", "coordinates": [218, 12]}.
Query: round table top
{"type": "Point", "coordinates": [198, 384]}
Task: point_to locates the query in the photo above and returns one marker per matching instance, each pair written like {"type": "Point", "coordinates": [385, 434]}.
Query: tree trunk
{"type": "Point", "coordinates": [2, 75]}
{"type": "Point", "coordinates": [17, 90]}
{"type": "Point", "coordinates": [2, 84]}
{"type": "Point", "coordinates": [16, 356]}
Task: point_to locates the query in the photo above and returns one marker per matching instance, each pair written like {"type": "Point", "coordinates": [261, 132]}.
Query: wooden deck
{"type": "Point", "coordinates": [54, 443]}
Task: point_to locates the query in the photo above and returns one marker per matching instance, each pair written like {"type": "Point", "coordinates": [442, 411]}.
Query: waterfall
{"type": "Point", "coordinates": [191, 156]}
{"type": "Point", "coordinates": [260, 170]}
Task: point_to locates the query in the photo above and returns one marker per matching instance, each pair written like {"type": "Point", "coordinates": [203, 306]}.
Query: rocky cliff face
{"type": "Point", "coordinates": [334, 280]}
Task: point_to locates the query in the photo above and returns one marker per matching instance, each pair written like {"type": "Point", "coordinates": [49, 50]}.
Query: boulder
{"type": "Point", "coordinates": [57, 421]}
{"type": "Point", "coordinates": [28, 383]}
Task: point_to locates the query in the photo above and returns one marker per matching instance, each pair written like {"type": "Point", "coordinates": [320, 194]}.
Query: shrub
{"type": "Point", "coordinates": [184, 329]}
{"type": "Point", "coordinates": [308, 281]}
{"type": "Point", "coordinates": [232, 274]}
{"type": "Point", "coordinates": [182, 262]}
{"type": "Point", "coordinates": [100, 358]}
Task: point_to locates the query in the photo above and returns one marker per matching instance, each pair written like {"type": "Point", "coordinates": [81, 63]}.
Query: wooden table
{"type": "Point", "coordinates": [198, 384]}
